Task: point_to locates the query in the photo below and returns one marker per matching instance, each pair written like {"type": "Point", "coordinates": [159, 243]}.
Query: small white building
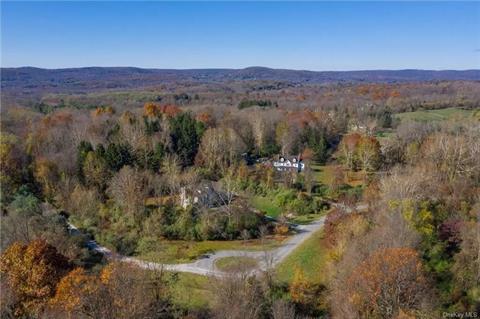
{"type": "Point", "coordinates": [285, 164]}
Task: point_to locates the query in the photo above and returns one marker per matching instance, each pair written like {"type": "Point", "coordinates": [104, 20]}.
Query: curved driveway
{"type": "Point", "coordinates": [206, 265]}
{"type": "Point", "coordinates": [267, 259]}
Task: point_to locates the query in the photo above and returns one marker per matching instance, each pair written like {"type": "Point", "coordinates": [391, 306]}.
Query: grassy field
{"type": "Point", "coordinates": [195, 291]}
{"type": "Point", "coordinates": [267, 205]}
{"type": "Point", "coordinates": [236, 263]}
{"type": "Point", "coordinates": [324, 174]}
{"type": "Point", "coordinates": [310, 257]}
{"type": "Point", "coordinates": [177, 251]}
{"type": "Point", "coordinates": [434, 115]}
{"type": "Point", "coordinates": [191, 291]}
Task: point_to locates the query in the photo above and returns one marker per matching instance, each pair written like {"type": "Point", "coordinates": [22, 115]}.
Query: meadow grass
{"type": "Point", "coordinates": [267, 205]}
{"type": "Point", "coordinates": [434, 115]}
{"type": "Point", "coordinates": [236, 263]}
{"type": "Point", "coordinates": [324, 174]}
{"type": "Point", "coordinates": [310, 257]}
{"type": "Point", "coordinates": [191, 291]}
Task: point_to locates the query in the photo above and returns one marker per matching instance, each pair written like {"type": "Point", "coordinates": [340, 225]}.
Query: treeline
{"type": "Point", "coordinates": [261, 103]}
{"type": "Point", "coordinates": [350, 98]}
{"type": "Point", "coordinates": [413, 253]}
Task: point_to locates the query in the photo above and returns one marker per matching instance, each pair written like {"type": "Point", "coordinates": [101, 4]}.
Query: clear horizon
{"type": "Point", "coordinates": [315, 36]}
{"type": "Point", "coordinates": [226, 68]}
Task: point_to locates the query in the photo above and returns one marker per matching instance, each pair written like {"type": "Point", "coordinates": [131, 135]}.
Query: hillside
{"type": "Point", "coordinates": [79, 80]}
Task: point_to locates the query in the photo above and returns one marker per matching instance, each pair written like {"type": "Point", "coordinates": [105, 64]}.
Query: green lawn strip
{"type": "Point", "coordinates": [177, 251]}
{"type": "Point", "coordinates": [310, 256]}
{"type": "Point", "coordinates": [434, 115]}
{"type": "Point", "coordinates": [236, 263]}
{"type": "Point", "coordinates": [191, 291]}
{"type": "Point", "coordinates": [267, 205]}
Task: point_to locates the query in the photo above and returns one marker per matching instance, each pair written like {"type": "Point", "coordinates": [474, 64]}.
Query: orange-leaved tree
{"type": "Point", "coordinates": [388, 281]}
{"type": "Point", "coordinates": [302, 292]}
{"type": "Point", "coordinates": [32, 272]}
{"type": "Point", "coordinates": [78, 293]}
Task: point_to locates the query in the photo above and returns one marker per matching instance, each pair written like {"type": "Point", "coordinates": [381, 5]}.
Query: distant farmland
{"type": "Point", "coordinates": [435, 115]}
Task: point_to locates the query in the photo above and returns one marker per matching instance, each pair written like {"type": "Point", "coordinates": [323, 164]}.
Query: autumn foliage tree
{"type": "Point", "coordinates": [388, 281]}
{"type": "Point", "coordinates": [300, 289]}
{"type": "Point", "coordinates": [347, 149]}
{"type": "Point", "coordinates": [368, 154]}
{"type": "Point", "coordinates": [128, 188]}
{"type": "Point", "coordinates": [10, 165]}
{"type": "Point", "coordinates": [151, 110]}
{"type": "Point", "coordinates": [32, 272]}
{"type": "Point", "coordinates": [46, 173]}
{"type": "Point", "coordinates": [466, 268]}
{"type": "Point", "coordinates": [360, 152]}
{"type": "Point", "coordinates": [103, 110]}
{"type": "Point", "coordinates": [74, 290]}
{"type": "Point", "coordinates": [306, 296]}
{"type": "Point", "coordinates": [239, 296]}
{"type": "Point", "coordinates": [219, 149]}
{"type": "Point", "coordinates": [119, 291]}
{"type": "Point", "coordinates": [206, 118]}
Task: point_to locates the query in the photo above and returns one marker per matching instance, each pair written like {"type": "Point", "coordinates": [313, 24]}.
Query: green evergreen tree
{"type": "Point", "coordinates": [186, 134]}
{"type": "Point", "coordinates": [118, 155]}
{"type": "Point", "coordinates": [82, 150]}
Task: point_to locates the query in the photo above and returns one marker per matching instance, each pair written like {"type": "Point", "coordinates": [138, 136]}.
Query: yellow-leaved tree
{"type": "Point", "coordinates": [32, 272]}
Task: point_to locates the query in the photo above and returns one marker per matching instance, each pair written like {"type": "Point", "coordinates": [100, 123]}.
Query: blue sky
{"type": "Point", "coordinates": [294, 35]}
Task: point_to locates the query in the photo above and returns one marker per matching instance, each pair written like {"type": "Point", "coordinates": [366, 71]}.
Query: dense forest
{"type": "Point", "coordinates": [392, 167]}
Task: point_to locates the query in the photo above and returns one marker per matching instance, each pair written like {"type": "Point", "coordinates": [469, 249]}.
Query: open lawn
{"type": "Point", "coordinates": [324, 174]}
{"type": "Point", "coordinates": [230, 264]}
{"type": "Point", "coordinates": [178, 251]}
{"type": "Point", "coordinates": [310, 256]}
{"type": "Point", "coordinates": [434, 115]}
{"type": "Point", "coordinates": [191, 291]}
{"type": "Point", "coordinates": [266, 205]}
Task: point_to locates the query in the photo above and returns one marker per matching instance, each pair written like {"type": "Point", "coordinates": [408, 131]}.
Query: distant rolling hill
{"type": "Point", "coordinates": [75, 80]}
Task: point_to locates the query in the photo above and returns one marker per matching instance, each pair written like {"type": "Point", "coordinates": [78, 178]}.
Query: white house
{"type": "Point", "coordinates": [285, 164]}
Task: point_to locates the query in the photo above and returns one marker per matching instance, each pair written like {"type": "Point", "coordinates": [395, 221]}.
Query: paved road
{"type": "Point", "coordinates": [206, 264]}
